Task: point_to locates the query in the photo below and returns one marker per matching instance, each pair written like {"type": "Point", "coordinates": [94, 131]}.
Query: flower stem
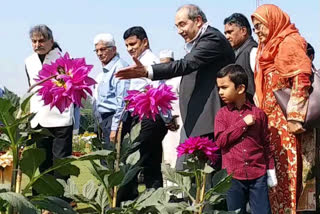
{"type": "Point", "coordinates": [203, 185]}
{"type": "Point", "coordinates": [40, 82]}
{"type": "Point", "coordinates": [198, 183]}
{"type": "Point", "coordinates": [15, 164]}
{"type": "Point", "coordinates": [117, 164]}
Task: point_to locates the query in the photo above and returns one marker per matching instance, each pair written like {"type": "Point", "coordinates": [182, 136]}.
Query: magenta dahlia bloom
{"type": "Point", "coordinates": [69, 84]}
{"type": "Point", "coordinates": [151, 101]}
{"type": "Point", "coordinates": [199, 146]}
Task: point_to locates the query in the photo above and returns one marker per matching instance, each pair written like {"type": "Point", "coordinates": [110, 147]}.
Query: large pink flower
{"type": "Point", "coordinates": [69, 84]}
{"type": "Point", "coordinates": [199, 146]}
{"type": "Point", "coordinates": [151, 101]}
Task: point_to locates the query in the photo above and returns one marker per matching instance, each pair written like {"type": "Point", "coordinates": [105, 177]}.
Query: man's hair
{"type": "Point", "coordinates": [236, 74]}
{"type": "Point", "coordinates": [240, 20]}
{"type": "Point", "coordinates": [106, 38]}
{"type": "Point", "coordinates": [310, 50]}
{"type": "Point", "coordinates": [193, 12]}
{"type": "Point", "coordinates": [44, 30]}
{"type": "Point", "coordinates": [135, 31]}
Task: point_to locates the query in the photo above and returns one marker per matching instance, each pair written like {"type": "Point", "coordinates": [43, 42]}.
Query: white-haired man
{"type": "Point", "coordinates": [109, 92]}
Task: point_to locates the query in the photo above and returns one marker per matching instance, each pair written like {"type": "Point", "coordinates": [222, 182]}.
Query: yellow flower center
{"type": "Point", "coordinates": [60, 83]}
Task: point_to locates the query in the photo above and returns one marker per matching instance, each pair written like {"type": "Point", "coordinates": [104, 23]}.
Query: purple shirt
{"type": "Point", "coordinates": [246, 150]}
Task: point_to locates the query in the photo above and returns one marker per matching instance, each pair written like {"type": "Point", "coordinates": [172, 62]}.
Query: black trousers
{"type": "Point", "coordinates": [105, 126]}
{"type": "Point", "coordinates": [150, 138]}
{"type": "Point", "coordinates": [56, 147]}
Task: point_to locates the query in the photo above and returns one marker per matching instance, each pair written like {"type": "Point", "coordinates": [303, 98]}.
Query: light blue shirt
{"type": "Point", "coordinates": [110, 91]}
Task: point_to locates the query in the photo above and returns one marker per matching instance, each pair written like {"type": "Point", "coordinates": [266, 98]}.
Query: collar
{"type": "Point", "coordinates": [145, 52]}
{"type": "Point", "coordinates": [244, 44]}
{"type": "Point", "coordinates": [111, 63]}
{"type": "Point", "coordinates": [246, 105]}
{"type": "Point", "coordinates": [189, 45]}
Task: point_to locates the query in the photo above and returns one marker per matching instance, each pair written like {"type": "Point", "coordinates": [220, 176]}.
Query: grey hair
{"type": "Point", "coordinates": [194, 11]}
{"type": "Point", "coordinates": [44, 30]}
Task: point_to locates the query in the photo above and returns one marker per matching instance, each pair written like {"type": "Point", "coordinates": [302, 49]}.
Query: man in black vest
{"type": "Point", "coordinates": [238, 32]}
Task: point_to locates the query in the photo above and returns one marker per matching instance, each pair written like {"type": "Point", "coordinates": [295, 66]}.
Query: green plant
{"type": "Point", "coordinates": [16, 135]}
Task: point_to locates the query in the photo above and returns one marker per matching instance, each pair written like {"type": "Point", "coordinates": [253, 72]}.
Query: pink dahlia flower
{"type": "Point", "coordinates": [69, 84]}
{"type": "Point", "coordinates": [151, 101]}
{"type": "Point", "coordinates": [199, 146]}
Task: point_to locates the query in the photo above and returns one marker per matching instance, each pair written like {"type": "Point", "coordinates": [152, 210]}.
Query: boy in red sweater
{"type": "Point", "coordinates": [241, 132]}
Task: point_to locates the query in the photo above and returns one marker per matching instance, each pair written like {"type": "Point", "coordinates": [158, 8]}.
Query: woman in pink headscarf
{"type": "Point", "coordinates": [282, 63]}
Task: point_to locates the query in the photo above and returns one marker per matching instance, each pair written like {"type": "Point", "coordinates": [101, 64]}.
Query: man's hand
{"type": "Point", "coordinates": [295, 127]}
{"type": "Point", "coordinates": [135, 71]}
{"type": "Point", "coordinates": [173, 124]}
{"type": "Point", "coordinates": [113, 135]}
{"type": "Point", "coordinates": [249, 120]}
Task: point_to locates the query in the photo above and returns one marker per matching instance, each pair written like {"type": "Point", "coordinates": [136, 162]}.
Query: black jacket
{"type": "Point", "coordinates": [199, 99]}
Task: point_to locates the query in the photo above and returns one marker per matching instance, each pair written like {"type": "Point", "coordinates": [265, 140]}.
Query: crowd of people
{"type": "Point", "coordinates": [225, 85]}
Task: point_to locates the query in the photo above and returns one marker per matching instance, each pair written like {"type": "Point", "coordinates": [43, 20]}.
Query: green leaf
{"type": "Point", "coordinates": [101, 198]}
{"type": "Point", "coordinates": [216, 199]}
{"type": "Point", "coordinates": [125, 147]}
{"type": "Point", "coordinates": [69, 169]}
{"type": "Point", "coordinates": [157, 196]}
{"type": "Point", "coordinates": [133, 158]}
{"type": "Point", "coordinates": [174, 190]}
{"type": "Point", "coordinates": [101, 154]}
{"type": "Point", "coordinates": [12, 97]}
{"type": "Point", "coordinates": [24, 103]}
{"type": "Point", "coordinates": [130, 174]}
{"type": "Point", "coordinates": [96, 143]}
{"type": "Point", "coordinates": [208, 169]}
{"type": "Point", "coordinates": [4, 143]}
{"type": "Point", "coordinates": [48, 185]}
{"type": "Point", "coordinates": [116, 210]}
{"type": "Point", "coordinates": [31, 160]}
{"type": "Point", "coordinates": [89, 190]}
{"type": "Point", "coordinates": [146, 194]}
{"type": "Point", "coordinates": [221, 183]}
{"type": "Point", "coordinates": [135, 132]}
{"type": "Point", "coordinates": [98, 174]}
{"type": "Point", "coordinates": [183, 182]}
{"type": "Point", "coordinates": [115, 178]}
{"type": "Point", "coordinates": [222, 212]}
{"type": "Point", "coordinates": [70, 187]}
{"type": "Point", "coordinates": [173, 207]}
{"type": "Point", "coordinates": [53, 204]}
{"type": "Point", "coordinates": [6, 112]}
{"type": "Point", "coordinates": [4, 187]}
{"type": "Point", "coordinates": [19, 202]}
{"type": "Point", "coordinates": [219, 176]}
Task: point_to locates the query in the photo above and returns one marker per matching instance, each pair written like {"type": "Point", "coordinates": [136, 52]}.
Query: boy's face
{"type": "Point", "coordinates": [227, 90]}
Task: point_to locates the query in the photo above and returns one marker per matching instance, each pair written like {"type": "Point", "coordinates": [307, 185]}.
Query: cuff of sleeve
{"type": "Point", "coordinates": [150, 72]}
{"type": "Point", "coordinates": [114, 127]}
{"type": "Point", "coordinates": [294, 117]}
{"type": "Point", "coordinates": [270, 165]}
{"type": "Point", "coordinates": [242, 125]}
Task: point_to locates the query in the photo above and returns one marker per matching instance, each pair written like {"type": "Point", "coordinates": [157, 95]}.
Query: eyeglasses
{"type": "Point", "coordinates": [103, 49]}
{"type": "Point", "coordinates": [257, 27]}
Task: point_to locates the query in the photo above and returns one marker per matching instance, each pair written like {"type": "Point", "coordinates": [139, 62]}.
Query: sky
{"type": "Point", "coordinates": [75, 23]}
